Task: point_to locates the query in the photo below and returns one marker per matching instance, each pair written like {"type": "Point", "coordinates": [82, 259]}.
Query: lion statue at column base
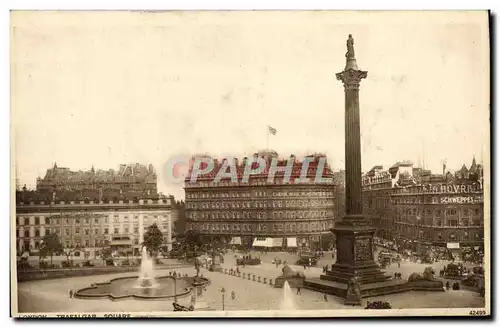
{"type": "Point", "coordinates": [294, 278]}
{"type": "Point", "coordinates": [425, 281]}
{"type": "Point", "coordinates": [427, 275]}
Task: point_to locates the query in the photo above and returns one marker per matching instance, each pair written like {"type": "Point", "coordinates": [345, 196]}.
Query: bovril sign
{"type": "Point", "coordinates": [452, 188]}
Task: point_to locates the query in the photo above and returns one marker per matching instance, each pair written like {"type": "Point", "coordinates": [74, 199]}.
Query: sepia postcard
{"type": "Point", "coordinates": [250, 164]}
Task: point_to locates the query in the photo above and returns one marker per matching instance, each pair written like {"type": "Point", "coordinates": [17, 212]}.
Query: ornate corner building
{"type": "Point", "coordinates": [411, 205]}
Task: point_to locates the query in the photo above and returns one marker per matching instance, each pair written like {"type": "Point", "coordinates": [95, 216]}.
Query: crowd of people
{"type": "Point", "coordinates": [431, 253]}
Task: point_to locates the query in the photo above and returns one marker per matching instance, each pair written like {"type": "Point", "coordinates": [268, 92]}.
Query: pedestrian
{"type": "Point", "coordinates": [325, 297]}
{"type": "Point", "coordinates": [395, 275]}
{"type": "Point", "coordinates": [70, 294]}
{"type": "Point", "coordinates": [298, 290]}
{"type": "Point", "coordinates": [305, 267]}
{"type": "Point", "coordinates": [399, 264]}
{"type": "Point", "coordinates": [233, 295]}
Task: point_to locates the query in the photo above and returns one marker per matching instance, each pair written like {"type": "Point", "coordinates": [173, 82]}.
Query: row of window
{"type": "Point", "coordinates": [229, 215]}
{"type": "Point", "coordinates": [259, 204]}
{"type": "Point", "coordinates": [278, 180]}
{"type": "Point", "coordinates": [263, 193]}
{"type": "Point", "coordinates": [86, 231]}
{"type": "Point", "coordinates": [300, 227]}
{"type": "Point", "coordinates": [26, 244]}
{"type": "Point", "coordinates": [86, 221]}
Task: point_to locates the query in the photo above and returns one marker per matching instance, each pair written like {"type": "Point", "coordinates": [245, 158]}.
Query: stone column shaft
{"type": "Point", "coordinates": [353, 197]}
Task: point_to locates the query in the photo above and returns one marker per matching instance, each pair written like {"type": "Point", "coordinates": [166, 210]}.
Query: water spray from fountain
{"type": "Point", "coordinates": [146, 278]}
{"type": "Point", "coordinates": [287, 303]}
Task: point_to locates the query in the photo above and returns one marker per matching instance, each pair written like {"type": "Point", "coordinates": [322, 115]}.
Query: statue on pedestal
{"type": "Point", "coordinates": [350, 48]}
{"type": "Point", "coordinates": [197, 266]}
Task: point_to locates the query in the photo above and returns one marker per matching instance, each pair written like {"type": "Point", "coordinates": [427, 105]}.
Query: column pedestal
{"type": "Point", "coordinates": [354, 253]}
{"type": "Point", "coordinates": [215, 263]}
{"type": "Point", "coordinates": [199, 303]}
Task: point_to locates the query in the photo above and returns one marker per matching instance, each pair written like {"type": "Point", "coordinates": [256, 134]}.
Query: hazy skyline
{"type": "Point", "coordinates": [105, 88]}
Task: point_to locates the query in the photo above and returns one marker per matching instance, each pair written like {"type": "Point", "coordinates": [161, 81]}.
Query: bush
{"type": "Point", "coordinates": [110, 262]}
{"type": "Point", "coordinates": [158, 261]}
{"type": "Point", "coordinates": [456, 286]}
{"type": "Point", "coordinates": [378, 305]}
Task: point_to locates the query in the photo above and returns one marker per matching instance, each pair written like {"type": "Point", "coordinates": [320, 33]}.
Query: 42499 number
{"type": "Point", "coordinates": [477, 313]}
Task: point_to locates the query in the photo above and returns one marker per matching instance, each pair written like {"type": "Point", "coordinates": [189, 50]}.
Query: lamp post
{"type": "Point", "coordinates": [223, 290]}
{"type": "Point", "coordinates": [175, 289]}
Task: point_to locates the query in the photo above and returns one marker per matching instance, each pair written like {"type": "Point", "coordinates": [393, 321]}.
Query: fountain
{"type": "Point", "coordinates": [146, 279]}
{"type": "Point", "coordinates": [287, 303]}
{"type": "Point", "coordinates": [146, 286]}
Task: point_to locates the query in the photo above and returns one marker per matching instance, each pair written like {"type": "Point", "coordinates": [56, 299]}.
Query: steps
{"type": "Point", "coordinates": [367, 290]}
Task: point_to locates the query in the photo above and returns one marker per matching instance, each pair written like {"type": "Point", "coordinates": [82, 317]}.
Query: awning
{"type": "Point", "coordinates": [235, 241]}
{"type": "Point", "coordinates": [277, 242]}
{"type": "Point", "coordinates": [260, 241]}
{"type": "Point", "coordinates": [268, 242]}
{"type": "Point", "coordinates": [291, 242]}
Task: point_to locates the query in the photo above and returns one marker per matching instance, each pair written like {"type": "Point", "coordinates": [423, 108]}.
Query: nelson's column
{"type": "Point", "coordinates": [353, 232]}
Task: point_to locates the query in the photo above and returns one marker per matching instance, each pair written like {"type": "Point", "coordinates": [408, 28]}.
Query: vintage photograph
{"type": "Point", "coordinates": [250, 163]}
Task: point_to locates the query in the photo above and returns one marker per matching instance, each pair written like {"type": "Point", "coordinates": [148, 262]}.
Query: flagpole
{"type": "Point", "coordinates": [267, 138]}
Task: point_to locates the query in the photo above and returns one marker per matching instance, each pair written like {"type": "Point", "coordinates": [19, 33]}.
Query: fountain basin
{"type": "Point", "coordinates": [128, 288]}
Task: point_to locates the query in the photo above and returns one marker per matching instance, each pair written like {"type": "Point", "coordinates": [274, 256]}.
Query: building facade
{"type": "Point", "coordinates": [129, 181]}
{"type": "Point", "coordinates": [377, 190]}
{"type": "Point", "coordinates": [409, 204]}
{"type": "Point", "coordinates": [289, 212]}
{"type": "Point", "coordinates": [90, 215]}
{"type": "Point", "coordinates": [92, 226]}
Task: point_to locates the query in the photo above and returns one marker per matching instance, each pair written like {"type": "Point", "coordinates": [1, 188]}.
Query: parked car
{"type": "Point", "coordinates": [304, 260]}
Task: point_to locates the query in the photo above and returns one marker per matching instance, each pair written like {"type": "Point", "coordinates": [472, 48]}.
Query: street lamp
{"type": "Point", "coordinates": [223, 290]}
{"type": "Point", "coordinates": [175, 289]}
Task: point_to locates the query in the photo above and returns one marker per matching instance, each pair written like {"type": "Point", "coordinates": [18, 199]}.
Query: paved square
{"type": "Point", "coordinates": [53, 295]}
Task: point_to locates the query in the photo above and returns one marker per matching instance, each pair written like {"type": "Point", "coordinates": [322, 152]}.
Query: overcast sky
{"type": "Point", "coordinates": [108, 88]}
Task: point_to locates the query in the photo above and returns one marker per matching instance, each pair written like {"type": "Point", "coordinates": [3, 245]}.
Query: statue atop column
{"type": "Point", "coordinates": [350, 48]}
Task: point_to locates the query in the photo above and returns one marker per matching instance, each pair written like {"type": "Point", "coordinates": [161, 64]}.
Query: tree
{"type": "Point", "coordinates": [153, 239]}
{"type": "Point", "coordinates": [69, 253]}
{"type": "Point", "coordinates": [191, 241]}
{"type": "Point", "coordinates": [50, 245]}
